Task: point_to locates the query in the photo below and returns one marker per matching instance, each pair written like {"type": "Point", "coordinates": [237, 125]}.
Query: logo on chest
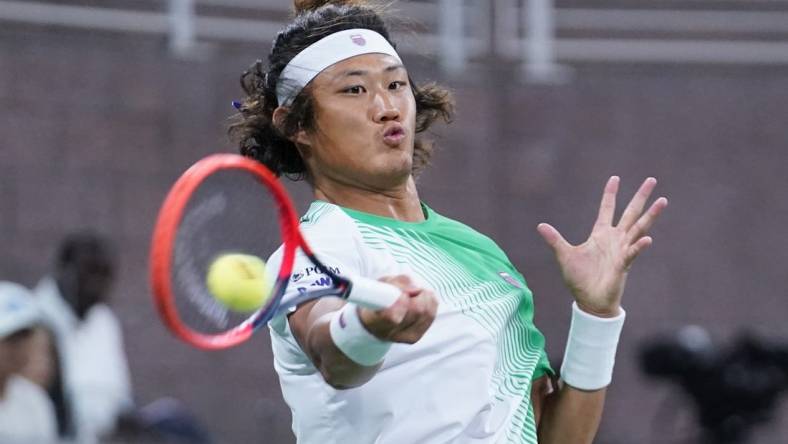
{"type": "Point", "coordinates": [510, 280]}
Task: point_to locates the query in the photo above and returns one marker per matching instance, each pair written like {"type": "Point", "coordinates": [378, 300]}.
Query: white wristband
{"type": "Point", "coordinates": [591, 350]}
{"type": "Point", "coordinates": [350, 336]}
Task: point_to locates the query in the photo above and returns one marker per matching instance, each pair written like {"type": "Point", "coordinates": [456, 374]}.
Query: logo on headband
{"type": "Point", "coordinates": [358, 39]}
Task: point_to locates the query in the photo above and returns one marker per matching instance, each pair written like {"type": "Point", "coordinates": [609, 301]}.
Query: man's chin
{"type": "Point", "coordinates": [392, 176]}
{"type": "Point", "coordinates": [401, 167]}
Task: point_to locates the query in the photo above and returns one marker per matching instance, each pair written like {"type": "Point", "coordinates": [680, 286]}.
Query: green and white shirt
{"type": "Point", "coordinates": [467, 380]}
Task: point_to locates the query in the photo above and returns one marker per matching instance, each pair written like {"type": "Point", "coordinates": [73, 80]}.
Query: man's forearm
{"type": "Point", "coordinates": [310, 325]}
{"type": "Point", "coordinates": [571, 416]}
{"type": "Point", "coordinates": [337, 369]}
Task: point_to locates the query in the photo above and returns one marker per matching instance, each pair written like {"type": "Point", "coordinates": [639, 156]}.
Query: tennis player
{"type": "Point", "coordinates": [457, 359]}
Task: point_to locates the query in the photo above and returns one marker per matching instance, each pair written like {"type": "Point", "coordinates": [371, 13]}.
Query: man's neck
{"type": "Point", "coordinates": [400, 203]}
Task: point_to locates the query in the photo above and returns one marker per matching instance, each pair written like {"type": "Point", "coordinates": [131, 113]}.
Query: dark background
{"type": "Point", "coordinates": [94, 128]}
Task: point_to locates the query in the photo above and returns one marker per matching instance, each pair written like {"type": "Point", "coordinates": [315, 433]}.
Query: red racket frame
{"type": "Point", "coordinates": [165, 232]}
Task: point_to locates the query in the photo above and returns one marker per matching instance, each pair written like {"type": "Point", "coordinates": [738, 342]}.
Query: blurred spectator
{"type": "Point", "coordinates": [45, 369]}
{"type": "Point", "coordinates": [88, 335]}
{"type": "Point", "coordinates": [41, 366]}
{"type": "Point", "coordinates": [26, 414]}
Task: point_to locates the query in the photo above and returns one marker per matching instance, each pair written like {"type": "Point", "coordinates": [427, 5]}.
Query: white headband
{"type": "Point", "coordinates": [310, 62]}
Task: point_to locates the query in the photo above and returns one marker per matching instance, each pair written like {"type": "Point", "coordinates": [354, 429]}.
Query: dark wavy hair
{"type": "Point", "coordinates": [253, 128]}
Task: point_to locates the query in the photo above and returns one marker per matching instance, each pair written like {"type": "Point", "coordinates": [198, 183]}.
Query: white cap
{"type": "Point", "coordinates": [17, 309]}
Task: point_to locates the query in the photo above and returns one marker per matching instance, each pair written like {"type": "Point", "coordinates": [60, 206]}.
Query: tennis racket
{"type": "Point", "coordinates": [226, 203]}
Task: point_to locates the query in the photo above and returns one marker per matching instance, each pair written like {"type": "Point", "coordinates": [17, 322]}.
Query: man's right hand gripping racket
{"type": "Point", "coordinates": [230, 211]}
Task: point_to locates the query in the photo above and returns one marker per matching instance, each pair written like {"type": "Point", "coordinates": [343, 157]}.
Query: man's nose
{"type": "Point", "coordinates": [385, 108]}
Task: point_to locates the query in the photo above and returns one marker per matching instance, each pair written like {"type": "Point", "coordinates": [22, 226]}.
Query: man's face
{"type": "Point", "coordinates": [365, 119]}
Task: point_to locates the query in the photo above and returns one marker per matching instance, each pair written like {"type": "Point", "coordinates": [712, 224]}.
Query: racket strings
{"type": "Point", "coordinates": [230, 212]}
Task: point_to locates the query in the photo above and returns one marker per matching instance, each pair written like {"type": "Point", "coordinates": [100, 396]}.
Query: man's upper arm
{"type": "Point", "coordinates": [306, 315]}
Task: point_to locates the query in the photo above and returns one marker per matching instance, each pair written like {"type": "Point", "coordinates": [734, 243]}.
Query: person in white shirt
{"type": "Point", "coordinates": [88, 335]}
{"type": "Point", "coordinates": [26, 413]}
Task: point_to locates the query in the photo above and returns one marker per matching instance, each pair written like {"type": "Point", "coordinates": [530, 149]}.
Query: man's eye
{"type": "Point", "coordinates": [358, 89]}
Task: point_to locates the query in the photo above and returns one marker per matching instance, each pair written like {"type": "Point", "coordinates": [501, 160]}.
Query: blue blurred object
{"type": "Point", "coordinates": [169, 418]}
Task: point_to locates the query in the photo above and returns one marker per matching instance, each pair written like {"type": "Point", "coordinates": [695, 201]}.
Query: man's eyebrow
{"type": "Point", "coordinates": [354, 72]}
{"type": "Point", "coordinates": [364, 72]}
{"type": "Point", "coordinates": [394, 68]}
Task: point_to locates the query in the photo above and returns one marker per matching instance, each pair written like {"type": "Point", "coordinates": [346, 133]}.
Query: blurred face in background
{"type": "Point", "coordinates": [41, 364]}
{"type": "Point", "coordinates": [365, 119]}
{"type": "Point", "coordinates": [14, 352]}
{"type": "Point", "coordinates": [86, 280]}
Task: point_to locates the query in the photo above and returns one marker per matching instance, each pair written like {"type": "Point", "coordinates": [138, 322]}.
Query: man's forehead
{"type": "Point", "coordinates": [364, 64]}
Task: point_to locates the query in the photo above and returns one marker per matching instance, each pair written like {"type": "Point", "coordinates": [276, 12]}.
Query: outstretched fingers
{"type": "Point", "coordinates": [552, 237]}
{"type": "Point", "coordinates": [607, 208]}
{"type": "Point", "coordinates": [646, 221]}
{"type": "Point", "coordinates": [635, 207]}
{"type": "Point", "coordinates": [635, 249]}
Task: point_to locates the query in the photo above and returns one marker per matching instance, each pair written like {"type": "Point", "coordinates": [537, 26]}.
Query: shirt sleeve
{"type": "Point", "coordinates": [543, 367]}
{"type": "Point", "coordinates": [335, 245]}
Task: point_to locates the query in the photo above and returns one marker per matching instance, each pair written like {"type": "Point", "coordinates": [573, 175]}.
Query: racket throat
{"type": "Point", "coordinates": [343, 288]}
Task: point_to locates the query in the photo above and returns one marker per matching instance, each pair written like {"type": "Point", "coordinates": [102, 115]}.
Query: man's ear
{"type": "Point", "coordinates": [301, 138]}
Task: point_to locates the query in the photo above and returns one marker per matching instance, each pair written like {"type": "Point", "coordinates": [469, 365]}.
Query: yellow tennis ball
{"type": "Point", "coordinates": [239, 281]}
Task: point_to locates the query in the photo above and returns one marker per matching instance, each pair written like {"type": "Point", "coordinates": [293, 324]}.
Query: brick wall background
{"type": "Point", "coordinates": [95, 127]}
